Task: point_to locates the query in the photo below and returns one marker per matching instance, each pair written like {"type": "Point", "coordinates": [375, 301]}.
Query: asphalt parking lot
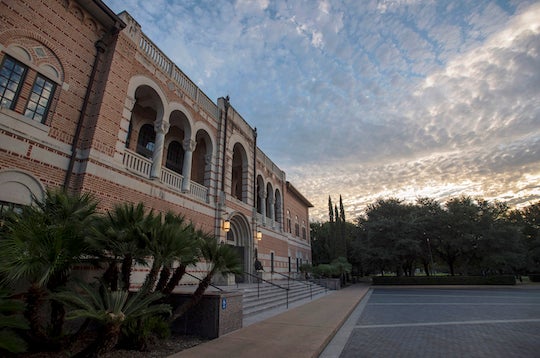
{"type": "Point", "coordinates": [442, 322]}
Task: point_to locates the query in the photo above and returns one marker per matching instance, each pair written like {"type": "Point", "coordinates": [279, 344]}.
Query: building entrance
{"type": "Point", "coordinates": [241, 238]}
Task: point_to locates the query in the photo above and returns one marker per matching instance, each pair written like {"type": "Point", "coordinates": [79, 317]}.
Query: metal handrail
{"type": "Point", "coordinates": [310, 284]}
{"type": "Point", "coordinates": [214, 286]}
{"type": "Point", "coordinates": [259, 279]}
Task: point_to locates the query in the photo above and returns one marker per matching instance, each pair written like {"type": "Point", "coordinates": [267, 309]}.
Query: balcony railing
{"type": "Point", "coordinates": [172, 179]}
{"type": "Point", "coordinates": [198, 191]}
{"type": "Point", "coordinates": [141, 165]}
{"type": "Point", "coordinates": [137, 163]}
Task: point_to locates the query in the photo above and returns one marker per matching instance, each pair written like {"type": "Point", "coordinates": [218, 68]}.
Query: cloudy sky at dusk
{"type": "Point", "coordinates": [371, 98]}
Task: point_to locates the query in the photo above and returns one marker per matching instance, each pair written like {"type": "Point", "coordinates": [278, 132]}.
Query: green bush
{"type": "Point", "coordinates": [325, 270]}
{"type": "Point", "coordinates": [445, 280]}
{"type": "Point", "coordinates": [534, 277]}
{"type": "Point", "coordinates": [335, 269]}
{"type": "Point", "coordinates": [143, 333]}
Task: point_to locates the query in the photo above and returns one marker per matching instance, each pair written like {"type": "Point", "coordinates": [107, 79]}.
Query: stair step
{"type": "Point", "coordinates": [266, 297]}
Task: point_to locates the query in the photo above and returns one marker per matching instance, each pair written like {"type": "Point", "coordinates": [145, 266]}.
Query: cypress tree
{"type": "Point", "coordinates": [330, 209]}
{"type": "Point", "coordinates": [341, 209]}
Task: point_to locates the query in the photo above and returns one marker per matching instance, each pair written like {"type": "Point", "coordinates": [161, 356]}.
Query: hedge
{"type": "Point", "coordinates": [445, 280]}
{"type": "Point", "coordinates": [534, 277]}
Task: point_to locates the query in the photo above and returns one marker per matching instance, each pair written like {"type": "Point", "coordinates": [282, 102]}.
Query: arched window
{"type": "Point", "coordinates": [277, 207]}
{"type": "Point", "coordinates": [145, 143]}
{"type": "Point", "coordinates": [260, 187]}
{"type": "Point", "coordinates": [239, 172]}
{"type": "Point", "coordinates": [175, 157]}
{"type": "Point", "coordinates": [289, 224]}
{"type": "Point", "coordinates": [296, 226]}
{"type": "Point", "coordinates": [269, 199]}
{"type": "Point", "coordinates": [199, 161]}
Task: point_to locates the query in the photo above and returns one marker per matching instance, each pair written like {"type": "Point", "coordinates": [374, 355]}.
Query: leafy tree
{"type": "Point", "coordinates": [357, 252]}
{"type": "Point", "coordinates": [457, 240]}
{"type": "Point", "coordinates": [427, 218]}
{"type": "Point", "coordinates": [391, 236]}
{"type": "Point", "coordinates": [320, 243]}
{"type": "Point", "coordinates": [528, 220]}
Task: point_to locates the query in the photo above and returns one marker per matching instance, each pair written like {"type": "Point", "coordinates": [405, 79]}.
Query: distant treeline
{"type": "Point", "coordinates": [469, 236]}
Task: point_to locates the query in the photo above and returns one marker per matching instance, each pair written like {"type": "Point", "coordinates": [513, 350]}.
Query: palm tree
{"type": "Point", "coordinates": [170, 241]}
{"type": "Point", "coordinates": [40, 246]}
{"type": "Point", "coordinates": [221, 259]}
{"type": "Point", "coordinates": [169, 281]}
{"type": "Point", "coordinates": [121, 237]}
{"type": "Point", "coordinates": [112, 310]}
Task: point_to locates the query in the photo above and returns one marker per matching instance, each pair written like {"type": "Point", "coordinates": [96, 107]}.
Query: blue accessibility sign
{"type": "Point", "coordinates": [223, 303]}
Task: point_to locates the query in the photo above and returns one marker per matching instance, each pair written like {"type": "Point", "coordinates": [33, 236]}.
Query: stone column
{"type": "Point", "coordinates": [161, 129]}
{"type": "Point", "coordinates": [189, 146]}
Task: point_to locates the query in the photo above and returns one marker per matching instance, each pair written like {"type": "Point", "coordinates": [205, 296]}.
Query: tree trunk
{"type": "Point", "coordinates": [127, 263]}
{"type": "Point", "coordinates": [197, 296]}
{"type": "Point", "coordinates": [426, 269]}
{"type": "Point", "coordinates": [58, 314]}
{"type": "Point", "coordinates": [105, 342]}
{"type": "Point", "coordinates": [34, 300]}
{"type": "Point", "coordinates": [163, 278]}
{"type": "Point", "coordinates": [150, 280]}
{"type": "Point", "coordinates": [175, 279]}
{"type": "Point", "coordinates": [111, 276]}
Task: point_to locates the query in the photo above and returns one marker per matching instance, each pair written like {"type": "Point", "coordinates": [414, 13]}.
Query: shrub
{"type": "Point", "coordinates": [143, 333]}
{"type": "Point", "coordinates": [534, 277]}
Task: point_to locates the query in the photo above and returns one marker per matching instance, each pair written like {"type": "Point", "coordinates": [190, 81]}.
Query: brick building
{"type": "Point", "coordinates": [90, 104]}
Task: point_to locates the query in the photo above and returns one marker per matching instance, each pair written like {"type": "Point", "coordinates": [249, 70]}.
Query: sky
{"type": "Point", "coordinates": [371, 99]}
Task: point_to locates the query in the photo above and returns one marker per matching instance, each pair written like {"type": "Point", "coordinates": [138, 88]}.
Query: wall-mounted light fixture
{"type": "Point", "coordinates": [226, 225]}
{"type": "Point", "coordinates": [258, 235]}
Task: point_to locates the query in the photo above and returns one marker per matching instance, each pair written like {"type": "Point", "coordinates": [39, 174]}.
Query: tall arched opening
{"type": "Point", "coordinates": [240, 237]}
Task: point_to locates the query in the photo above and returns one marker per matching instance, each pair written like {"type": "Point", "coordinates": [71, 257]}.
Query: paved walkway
{"type": "Point", "coordinates": [303, 331]}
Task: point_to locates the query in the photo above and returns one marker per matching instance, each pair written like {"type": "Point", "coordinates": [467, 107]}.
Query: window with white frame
{"type": "Point", "coordinates": [13, 75]}
{"type": "Point", "coordinates": [40, 99]}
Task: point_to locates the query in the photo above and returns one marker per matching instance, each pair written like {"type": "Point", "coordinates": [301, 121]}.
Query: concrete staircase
{"type": "Point", "coordinates": [264, 300]}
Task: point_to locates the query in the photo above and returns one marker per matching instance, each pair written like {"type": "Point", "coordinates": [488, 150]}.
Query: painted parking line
{"type": "Point", "coordinates": [453, 304]}
{"type": "Point", "coordinates": [451, 323]}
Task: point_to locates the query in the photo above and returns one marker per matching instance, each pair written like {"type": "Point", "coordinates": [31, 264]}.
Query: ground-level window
{"type": "Point", "coordinates": [6, 206]}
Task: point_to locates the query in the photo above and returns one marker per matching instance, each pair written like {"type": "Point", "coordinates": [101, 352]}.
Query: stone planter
{"type": "Point", "coordinates": [218, 313]}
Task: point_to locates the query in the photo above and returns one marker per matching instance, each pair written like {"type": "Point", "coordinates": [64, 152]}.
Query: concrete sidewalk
{"type": "Point", "coordinates": [303, 331]}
